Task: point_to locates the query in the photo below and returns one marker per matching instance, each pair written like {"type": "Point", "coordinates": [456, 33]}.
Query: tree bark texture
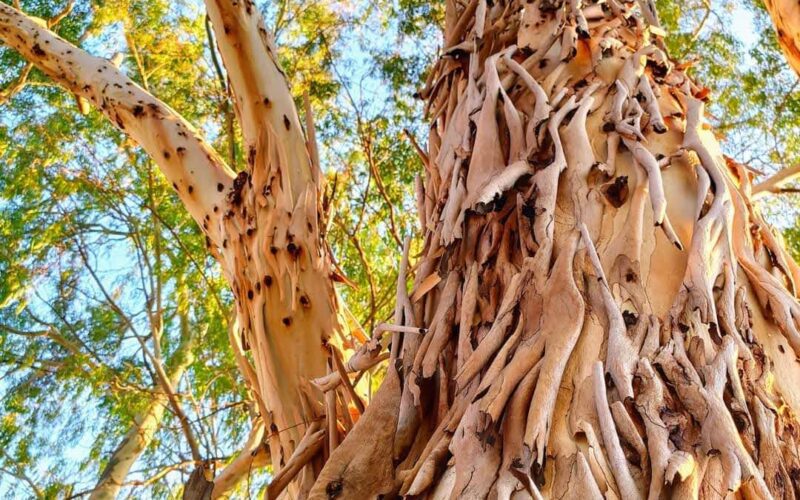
{"type": "Point", "coordinates": [607, 314]}
{"type": "Point", "coordinates": [786, 20]}
{"type": "Point", "coordinates": [599, 310]}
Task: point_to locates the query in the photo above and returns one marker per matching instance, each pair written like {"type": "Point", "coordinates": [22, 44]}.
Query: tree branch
{"type": "Point", "coordinates": [254, 455]}
{"type": "Point", "coordinates": [773, 183]}
{"type": "Point", "coordinates": [786, 21]}
{"type": "Point", "coordinates": [270, 125]}
{"type": "Point", "coordinates": [195, 170]}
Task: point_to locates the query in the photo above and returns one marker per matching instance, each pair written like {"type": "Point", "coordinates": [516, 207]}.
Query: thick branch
{"type": "Point", "coordinates": [786, 19]}
{"type": "Point", "coordinates": [197, 173]}
{"type": "Point", "coordinates": [263, 102]}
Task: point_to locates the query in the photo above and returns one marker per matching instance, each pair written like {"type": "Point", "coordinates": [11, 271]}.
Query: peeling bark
{"type": "Point", "coordinates": [621, 302]}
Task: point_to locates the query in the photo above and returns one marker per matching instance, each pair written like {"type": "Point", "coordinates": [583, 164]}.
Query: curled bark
{"type": "Point", "coordinates": [526, 321]}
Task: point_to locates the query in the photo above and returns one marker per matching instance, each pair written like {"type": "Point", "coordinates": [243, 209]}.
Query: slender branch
{"type": "Point", "coordinates": [161, 376]}
{"type": "Point", "coordinates": [773, 183]}
{"type": "Point", "coordinates": [21, 476]}
{"type": "Point", "coordinates": [67, 10]}
{"type": "Point", "coordinates": [20, 83]}
{"type": "Point", "coordinates": [226, 91]}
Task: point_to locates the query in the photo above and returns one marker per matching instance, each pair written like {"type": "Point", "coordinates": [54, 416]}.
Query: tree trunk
{"type": "Point", "coordinates": [610, 316]}
{"type": "Point", "coordinates": [148, 421]}
{"type": "Point", "coordinates": [262, 225]}
{"type": "Point", "coordinates": [140, 435]}
{"type": "Point", "coordinates": [598, 311]}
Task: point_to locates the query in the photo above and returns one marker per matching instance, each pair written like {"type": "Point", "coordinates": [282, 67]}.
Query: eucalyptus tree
{"type": "Point", "coordinates": [138, 241]}
{"type": "Point", "coordinates": [112, 356]}
{"type": "Point", "coordinates": [597, 306]}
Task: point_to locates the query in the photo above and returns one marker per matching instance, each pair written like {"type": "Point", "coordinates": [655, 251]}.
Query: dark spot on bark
{"type": "Point", "coordinates": [528, 210]}
{"type": "Point", "coordinates": [630, 277]}
{"type": "Point", "coordinates": [616, 192]}
{"type": "Point", "coordinates": [216, 209]}
{"type": "Point", "coordinates": [597, 175]}
{"type": "Point", "coordinates": [191, 188]}
{"type": "Point", "coordinates": [795, 475]}
{"type": "Point", "coordinates": [572, 54]}
{"type": "Point", "coordinates": [250, 294]}
{"type": "Point", "coordinates": [779, 481]}
{"type": "Point", "coordinates": [166, 155]}
{"type": "Point", "coordinates": [287, 321]}
{"type": "Point", "coordinates": [334, 489]}
{"type": "Point", "coordinates": [676, 437]}
{"type": "Point", "coordinates": [251, 156]}
{"type": "Point", "coordinates": [181, 151]}
{"type": "Point", "coordinates": [175, 186]}
{"type": "Point", "coordinates": [138, 111]}
{"type": "Point", "coordinates": [740, 420]}
{"type": "Point", "coordinates": [630, 318]}
{"type": "Point", "coordinates": [220, 187]}
{"type": "Point", "coordinates": [286, 122]}
{"type": "Point", "coordinates": [608, 127]}
{"type": "Point", "coordinates": [550, 5]}
{"type": "Point", "coordinates": [267, 280]}
{"type": "Point", "coordinates": [267, 102]}
{"type": "Point", "coordinates": [225, 243]}
{"type": "Point", "coordinates": [293, 250]}
{"type": "Point", "coordinates": [659, 70]}
{"type": "Point", "coordinates": [37, 50]}
{"type": "Point", "coordinates": [305, 301]}
{"type": "Point", "coordinates": [273, 250]}
{"type": "Point", "coordinates": [235, 195]}
{"type": "Point", "coordinates": [781, 348]}
{"type": "Point", "coordinates": [258, 286]}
